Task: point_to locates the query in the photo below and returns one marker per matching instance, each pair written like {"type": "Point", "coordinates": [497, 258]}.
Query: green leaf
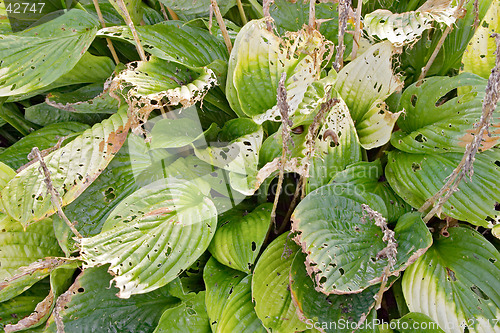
{"type": "Point", "coordinates": [190, 316]}
{"type": "Point", "coordinates": [368, 177]}
{"type": "Point", "coordinates": [28, 58]}
{"type": "Point", "coordinates": [116, 182]}
{"type": "Point", "coordinates": [177, 133]}
{"type": "Point", "coordinates": [6, 174]}
{"type": "Point", "coordinates": [319, 310]}
{"type": "Point", "coordinates": [404, 28]}
{"type": "Point", "coordinates": [73, 168]}
{"type": "Point", "coordinates": [417, 177]}
{"type": "Point", "coordinates": [21, 248]}
{"type": "Point", "coordinates": [456, 283]}
{"type": "Point", "coordinates": [240, 236]}
{"type": "Point", "coordinates": [229, 300]}
{"type": "Point", "coordinates": [91, 304]}
{"type": "Point", "coordinates": [240, 155]}
{"type": "Point", "coordinates": [44, 115]}
{"type": "Point", "coordinates": [416, 322]}
{"type": "Point", "coordinates": [133, 8]}
{"type": "Point", "coordinates": [270, 290]}
{"type": "Point", "coordinates": [158, 82]}
{"type": "Point", "coordinates": [89, 69]}
{"type": "Point", "coordinates": [88, 99]}
{"type": "Point", "coordinates": [197, 8]}
{"type": "Point", "coordinates": [5, 27]}
{"type": "Point", "coordinates": [153, 235]}
{"type": "Point", "coordinates": [343, 244]}
{"type": "Point", "coordinates": [290, 16]}
{"type": "Point", "coordinates": [436, 122]}
{"type": "Point", "coordinates": [17, 308]}
{"type": "Point", "coordinates": [258, 59]}
{"type": "Point", "coordinates": [336, 146]}
{"type": "Point", "coordinates": [416, 56]}
{"type": "Point", "coordinates": [364, 84]}
{"type": "Point", "coordinates": [479, 58]}
{"type": "Point", "coordinates": [173, 41]}
{"type": "Point", "coordinates": [16, 155]}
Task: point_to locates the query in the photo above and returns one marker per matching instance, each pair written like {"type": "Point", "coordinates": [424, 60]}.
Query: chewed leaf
{"type": "Point", "coordinates": [364, 84]}
{"type": "Point", "coordinates": [240, 236]}
{"type": "Point", "coordinates": [15, 309]}
{"type": "Point", "coordinates": [417, 177]}
{"type": "Point", "coordinates": [73, 168]}
{"type": "Point", "coordinates": [258, 59]}
{"type": "Point", "coordinates": [89, 99]}
{"type": "Point", "coordinates": [174, 41]}
{"type": "Point", "coordinates": [28, 58]}
{"type": "Point", "coordinates": [270, 287]}
{"type": "Point", "coordinates": [149, 85]}
{"type": "Point", "coordinates": [229, 300]}
{"type": "Point", "coordinates": [404, 28]}
{"type": "Point", "coordinates": [456, 283]}
{"type": "Point", "coordinates": [190, 316]}
{"type": "Point", "coordinates": [240, 156]}
{"type": "Point", "coordinates": [479, 58]}
{"type": "Point", "coordinates": [44, 138]}
{"type": "Point", "coordinates": [153, 235]}
{"type": "Point", "coordinates": [200, 8]}
{"type": "Point", "coordinates": [21, 249]}
{"type": "Point", "coordinates": [437, 121]}
{"type": "Point", "coordinates": [314, 306]}
{"type": "Point", "coordinates": [91, 304]}
{"type": "Point", "coordinates": [368, 177]}
{"type": "Point", "coordinates": [344, 246]}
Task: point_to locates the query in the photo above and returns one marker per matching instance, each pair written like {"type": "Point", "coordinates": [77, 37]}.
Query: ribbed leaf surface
{"type": "Point", "coordinates": [343, 243]}
{"type": "Point", "coordinates": [239, 237]}
{"type": "Point", "coordinates": [174, 41]}
{"type": "Point", "coordinates": [368, 177]}
{"type": "Point", "coordinates": [91, 305]}
{"type": "Point", "coordinates": [417, 177]}
{"type": "Point", "coordinates": [28, 58]}
{"type": "Point", "coordinates": [73, 168]}
{"type": "Point", "coordinates": [270, 290]}
{"type": "Point", "coordinates": [153, 235]}
{"type": "Point", "coordinates": [364, 84]}
{"type": "Point", "coordinates": [456, 283]}
{"type": "Point", "coordinates": [437, 123]}
{"type": "Point", "coordinates": [229, 300]}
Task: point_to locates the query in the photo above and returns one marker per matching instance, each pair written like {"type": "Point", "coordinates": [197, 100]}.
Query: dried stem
{"type": "Point", "coordinates": [222, 25]}
{"type": "Point", "coordinates": [357, 31]}
{"type": "Point", "coordinates": [103, 24]}
{"type": "Point", "coordinates": [476, 14]}
{"type": "Point", "coordinates": [42, 309]}
{"type": "Point", "coordinates": [54, 195]}
{"type": "Point", "coordinates": [464, 168]}
{"type": "Point", "coordinates": [390, 251]}
{"type": "Point", "coordinates": [435, 53]}
{"type": "Point", "coordinates": [343, 7]}
{"type": "Point", "coordinates": [265, 8]}
{"type": "Point", "coordinates": [163, 11]}
{"type": "Point", "coordinates": [242, 12]}
{"type": "Point", "coordinates": [286, 123]}
{"type": "Point", "coordinates": [210, 18]}
{"type": "Point", "coordinates": [311, 135]}
{"type": "Point", "coordinates": [312, 14]}
{"type": "Point", "coordinates": [131, 25]}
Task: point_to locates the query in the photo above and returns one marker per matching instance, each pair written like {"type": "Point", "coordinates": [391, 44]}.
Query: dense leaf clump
{"type": "Point", "coordinates": [250, 166]}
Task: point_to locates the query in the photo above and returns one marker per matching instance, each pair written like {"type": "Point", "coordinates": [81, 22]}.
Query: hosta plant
{"type": "Point", "coordinates": [250, 166]}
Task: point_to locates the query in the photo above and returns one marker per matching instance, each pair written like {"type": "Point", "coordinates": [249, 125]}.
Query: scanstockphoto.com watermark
{"type": "Point", "coordinates": [351, 326]}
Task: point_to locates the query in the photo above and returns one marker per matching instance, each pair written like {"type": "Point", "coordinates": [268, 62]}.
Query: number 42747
{"type": "Point", "coordinates": [24, 7]}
